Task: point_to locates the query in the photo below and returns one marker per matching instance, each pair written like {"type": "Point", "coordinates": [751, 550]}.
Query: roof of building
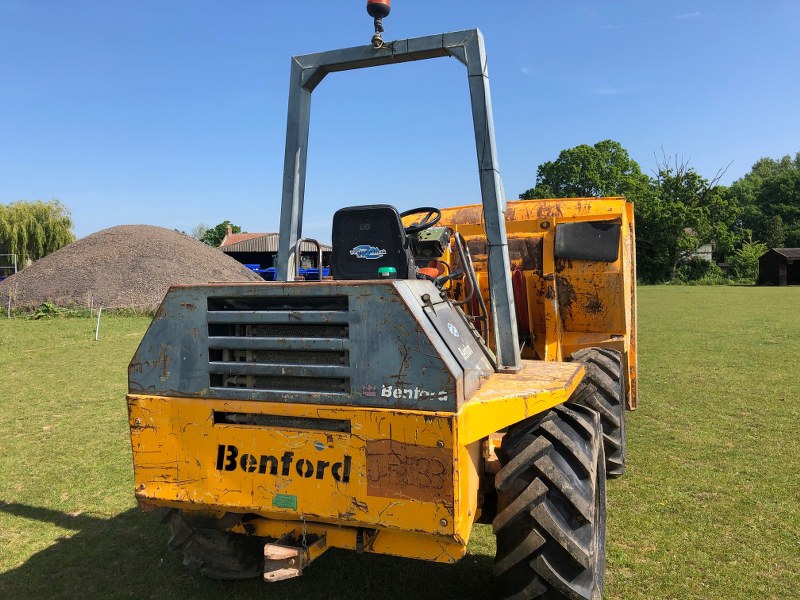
{"type": "Point", "coordinates": [788, 252]}
{"type": "Point", "coordinates": [235, 238]}
{"type": "Point", "coordinates": [261, 242]}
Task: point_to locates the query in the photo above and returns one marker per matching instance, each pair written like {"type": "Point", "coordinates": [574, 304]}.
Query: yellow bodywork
{"type": "Point", "coordinates": [570, 304]}
{"type": "Point", "coordinates": [400, 482]}
{"type": "Point", "coordinates": [408, 481]}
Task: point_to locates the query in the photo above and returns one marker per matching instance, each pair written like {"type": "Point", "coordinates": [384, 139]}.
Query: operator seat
{"type": "Point", "coordinates": [366, 238]}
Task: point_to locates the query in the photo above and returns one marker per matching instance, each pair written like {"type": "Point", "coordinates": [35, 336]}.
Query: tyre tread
{"type": "Point", "coordinates": [602, 389]}
{"type": "Point", "coordinates": [218, 554]}
{"type": "Point", "coordinates": [547, 512]}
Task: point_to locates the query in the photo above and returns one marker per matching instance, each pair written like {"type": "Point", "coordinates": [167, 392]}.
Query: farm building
{"type": "Point", "coordinates": [779, 266]}
{"type": "Point", "coordinates": [262, 249]}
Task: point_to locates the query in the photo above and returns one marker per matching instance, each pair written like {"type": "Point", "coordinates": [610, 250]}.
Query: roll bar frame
{"type": "Point", "coordinates": [468, 47]}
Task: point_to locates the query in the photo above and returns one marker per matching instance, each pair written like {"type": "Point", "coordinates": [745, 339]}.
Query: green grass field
{"type": "Point", "coordinates": [709, 508]}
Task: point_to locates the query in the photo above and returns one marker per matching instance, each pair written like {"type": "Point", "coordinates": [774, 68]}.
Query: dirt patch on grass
{"type": "Point", "coordinates": [129, 266]}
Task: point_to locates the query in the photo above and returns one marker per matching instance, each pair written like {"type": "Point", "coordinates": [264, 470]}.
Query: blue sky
{"type": "Point", "coordinates": [173, 113]}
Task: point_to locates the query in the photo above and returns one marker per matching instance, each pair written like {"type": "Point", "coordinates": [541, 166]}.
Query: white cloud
{"type": "Point", "coordinates": [691, 15]}
{"type": "Point", "coordinates": [608, 89]}
{"type": "Point", "coordinates": [629, 25]}
{"type": "Point", "coordinates": [680, 17]}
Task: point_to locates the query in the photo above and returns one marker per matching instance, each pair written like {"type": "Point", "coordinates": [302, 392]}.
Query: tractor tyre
{"type": "Point", "coordinates": [551, 520]}
{"type": "Point", "coordinates": [603, 389]}
{"type": "Point", "coordinates": [218, 554]}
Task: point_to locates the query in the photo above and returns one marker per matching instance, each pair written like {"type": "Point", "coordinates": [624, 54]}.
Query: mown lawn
{"type": "Point", "coordinates": [709, 507]}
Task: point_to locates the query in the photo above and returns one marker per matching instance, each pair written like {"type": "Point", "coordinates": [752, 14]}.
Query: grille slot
{"type": "Point", "coordinates": [279, 330]}
{"type": "Point", "coordinates": [289, 422]}
{"type": "Point", "coordinates": [280, 345]}
{"type": "Point", "coordinates": [280, 303]}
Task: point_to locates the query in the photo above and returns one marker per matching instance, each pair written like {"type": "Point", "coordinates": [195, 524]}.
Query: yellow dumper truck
{"type": "Point", "coordinates": [460, 365]}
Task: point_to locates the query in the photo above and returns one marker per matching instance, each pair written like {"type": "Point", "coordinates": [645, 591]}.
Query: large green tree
{"type": "Point", "coordinates": [676, 211]}
{"type": "Point", "coordinates": [213, 236]}
{"type": "Point", "coordinates": [604, 169]}
{"type": "Point", "coordinates": [769, 198]}
{"type": "Point", "coordinates": [32, 230]}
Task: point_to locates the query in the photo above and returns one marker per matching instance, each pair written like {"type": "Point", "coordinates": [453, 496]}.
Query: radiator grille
{"type": "Point", "coordinates": [291, 345]}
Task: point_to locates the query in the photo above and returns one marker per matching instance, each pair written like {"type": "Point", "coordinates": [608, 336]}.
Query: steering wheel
{"type": "Point", "coordinates": [431, 218]}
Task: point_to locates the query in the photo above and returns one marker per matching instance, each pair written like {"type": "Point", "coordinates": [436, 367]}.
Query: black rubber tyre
{"type": "Point", "coordinates": [218, 554]}
{"type": "Point", "coordinates": [551, 521]}
{"type": "Point", "coordinates": [603, 389]}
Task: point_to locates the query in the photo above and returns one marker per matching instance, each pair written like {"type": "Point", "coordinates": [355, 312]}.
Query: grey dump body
{"type": "Point", "coordinates": [366, 343]}
{"type": "Point", "coordinates": [466, 46]}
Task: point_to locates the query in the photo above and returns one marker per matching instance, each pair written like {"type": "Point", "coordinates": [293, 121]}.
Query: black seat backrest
{"type": "Point", "coordinates": [366, 238]}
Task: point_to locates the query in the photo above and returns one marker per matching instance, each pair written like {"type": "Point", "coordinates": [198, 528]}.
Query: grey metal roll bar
{"type": "Point", "coordinates": [468, 47]}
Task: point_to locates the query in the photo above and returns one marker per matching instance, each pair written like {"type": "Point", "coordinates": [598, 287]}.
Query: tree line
{"type": "Point", "coordinates": [677, 209]}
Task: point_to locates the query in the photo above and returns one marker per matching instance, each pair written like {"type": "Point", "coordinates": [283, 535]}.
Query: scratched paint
{"type": "Point", "coordinates": [182, 455]}
{"type": "Point", "coordinates": [398, 470]}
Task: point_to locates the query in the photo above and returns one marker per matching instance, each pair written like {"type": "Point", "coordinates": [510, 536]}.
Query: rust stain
{"type": "Point", "coordinates": [566, 296]}
{"type": "Point", "coordinates": [468, 215]}
{"type": "Point", "coordinates": [398, 470]}
{"type": "Point", "coordinates": [594, 304]}
{"type": "Point", "coordinates": [548, 211]}
{"type": "Point", "coordinates": [163, 358]}
{"type": "Point", "coordinates": [478, 248]}
{"type": "Point", "coordinates": [563, 263]}
{"type": "Point", "coordinates": [526, 252]}
{"type": "Point", "coordinates": [360, 506]}
{"type": "Point", "coordinates": [188, 306]}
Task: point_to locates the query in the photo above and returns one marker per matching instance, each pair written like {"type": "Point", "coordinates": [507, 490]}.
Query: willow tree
{"type": "Point", "coordinates": [32, 230]}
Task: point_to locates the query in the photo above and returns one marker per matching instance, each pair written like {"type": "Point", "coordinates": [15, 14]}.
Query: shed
{"type": "Point", "coordinates": [779, 266]}
{"type": "Point", "coordinates": [262, 248]}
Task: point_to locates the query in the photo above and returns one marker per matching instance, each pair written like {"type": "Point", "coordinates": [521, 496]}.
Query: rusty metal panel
{"type": "Point", "coordinates": [572, 304]}
{"type": "Point", "coordinates": [591, 296]}
{"type": "Point", "coordinates": [409, 477]}
{"type": "Point", "coordinates": [398, 470]}
{"type": "Point", "coordinates": [392, 468]}
{"type": "Point", "coordinates": [524, 251]}
{"type": "Point", "coordinates": [449, 324]}
{"type": "Point", "coordinates": [361, 344]}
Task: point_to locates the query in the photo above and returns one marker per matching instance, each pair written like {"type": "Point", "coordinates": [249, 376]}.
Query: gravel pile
{"type": "Point", "coordinates": [129, 266]}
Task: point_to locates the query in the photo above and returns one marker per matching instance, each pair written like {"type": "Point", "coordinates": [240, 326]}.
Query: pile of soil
{"type": "Point", "coordinates": [129, 266]}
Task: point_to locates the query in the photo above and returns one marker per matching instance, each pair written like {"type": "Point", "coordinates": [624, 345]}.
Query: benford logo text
{"type": "Point", "coordinates": [230, 459]}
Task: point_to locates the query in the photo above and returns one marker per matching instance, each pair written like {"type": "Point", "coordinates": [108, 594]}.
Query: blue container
{"type": "Point", "coordinates": [313, 274]}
